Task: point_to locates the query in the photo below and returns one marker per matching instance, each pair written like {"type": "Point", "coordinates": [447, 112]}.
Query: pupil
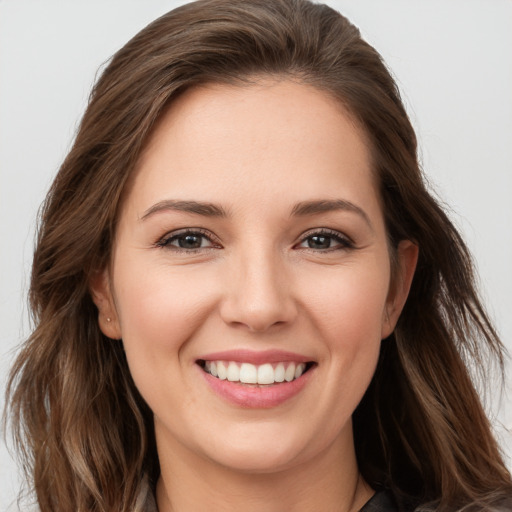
{"type": "Point", "coordinates": [189, 242]}
{"type": "Point", "coordinates": [319, 242]}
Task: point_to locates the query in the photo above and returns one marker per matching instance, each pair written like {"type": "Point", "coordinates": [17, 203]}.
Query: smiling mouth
{"type": "Point", "coordinates": [255, 375]}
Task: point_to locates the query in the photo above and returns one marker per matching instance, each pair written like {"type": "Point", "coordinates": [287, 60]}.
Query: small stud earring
{"type": "Point", "coordinates": [109, 319]}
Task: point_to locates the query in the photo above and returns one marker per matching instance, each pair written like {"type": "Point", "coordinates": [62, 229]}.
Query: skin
{"type": "Point", "coordinates": [258, 282]}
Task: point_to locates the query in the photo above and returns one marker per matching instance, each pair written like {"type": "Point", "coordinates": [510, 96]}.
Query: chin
{"type": "Point", "coordinates": [251, 461]}
{"type": "Point", "coordinates": [264, 451]}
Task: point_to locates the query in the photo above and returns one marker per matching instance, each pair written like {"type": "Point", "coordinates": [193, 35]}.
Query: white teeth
{"type": "Point", "coordinates": [279, 373]}
{"type": "Point", "coordinates": [251, 374]}
{"type": "Point", "coordinates": [289, 374]}
{"type": "Point", "coordinates": [266, 374]}
{"type": "Point", "coordinates": [221, 370]}
{"type": "Point", "coordinates": [248, 373]}
{"type": "Point", "coordinates": [233, 374]}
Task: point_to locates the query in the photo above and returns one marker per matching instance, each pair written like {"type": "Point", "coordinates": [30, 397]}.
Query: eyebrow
{"type": "Point", "coordinates": [304, 208]}
{"type": "Point", "coordinates": [328, 205]}
{"type": "Point", "coordinates": [197, 207]}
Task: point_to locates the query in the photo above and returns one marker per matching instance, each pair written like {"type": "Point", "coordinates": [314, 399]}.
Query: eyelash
{"type": "Point", "coordinates": [344, 243]}
{"type": "Point", "coordinates": [165, 242]}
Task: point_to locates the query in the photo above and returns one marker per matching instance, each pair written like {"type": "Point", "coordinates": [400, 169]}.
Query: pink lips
{"type": "Point", "coordinates": [248, 356]}
{"type": "Point", "coordinates": [256, 397]}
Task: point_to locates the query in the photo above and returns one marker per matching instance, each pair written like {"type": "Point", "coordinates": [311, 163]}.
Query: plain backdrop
{"type": "Point", "coordinates": [452, 60]}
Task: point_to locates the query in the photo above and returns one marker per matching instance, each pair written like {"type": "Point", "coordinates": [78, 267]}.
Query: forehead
{"type": "Point", "coordinates": [242, 142]}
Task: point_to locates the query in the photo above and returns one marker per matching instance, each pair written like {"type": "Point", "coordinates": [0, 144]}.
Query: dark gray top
{"type": "Point", "coordinates": [381, 501]}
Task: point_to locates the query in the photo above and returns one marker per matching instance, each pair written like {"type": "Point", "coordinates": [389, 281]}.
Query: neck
{"type": "Point", "coordinates": [329, 482]}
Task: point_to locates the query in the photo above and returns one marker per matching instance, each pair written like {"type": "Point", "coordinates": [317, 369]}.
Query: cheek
{"type": "Point", "coordinates": [347, 311]}
{"type": "Point", "coordinates": [349, 305]}
{"type": "Point", "coordinates": [159, 309]}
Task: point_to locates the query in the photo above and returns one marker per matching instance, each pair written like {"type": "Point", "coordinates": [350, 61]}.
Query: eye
{"type": "Point", "coordinates": [326, 240]}
{"type": "Point", "coordinates": [188, 241]}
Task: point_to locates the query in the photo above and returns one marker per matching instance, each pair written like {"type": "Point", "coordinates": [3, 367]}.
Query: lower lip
{"type": "Point", "coordinates": [254, 397]}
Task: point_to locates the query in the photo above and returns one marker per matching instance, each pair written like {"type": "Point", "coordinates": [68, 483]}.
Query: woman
{"type": "Point", "coordinates": [244, 294]}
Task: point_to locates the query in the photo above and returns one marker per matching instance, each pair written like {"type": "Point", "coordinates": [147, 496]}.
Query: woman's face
{"type": "Point", "coordinates": [251, 247]}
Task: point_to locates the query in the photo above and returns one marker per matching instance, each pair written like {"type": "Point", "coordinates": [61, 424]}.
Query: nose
{"type": "Point", "coordinates": [258, 295]}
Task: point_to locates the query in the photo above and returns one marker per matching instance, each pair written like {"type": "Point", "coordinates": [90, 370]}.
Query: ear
{"type": "Point", "coordinates": [101, 292]}
{"type": "Point", "coordinates": [407, 258]}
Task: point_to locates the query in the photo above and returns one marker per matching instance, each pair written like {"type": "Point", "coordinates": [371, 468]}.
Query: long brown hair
{"type": "Point", "coordinates": [84, 432]}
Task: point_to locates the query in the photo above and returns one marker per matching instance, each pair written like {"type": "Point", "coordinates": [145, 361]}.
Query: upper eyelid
{"type": "Point", "coordinates": [215, 240]}
{"type": "Point", "coordinates": [183, 231]}
{"type": "Point", "coordinates": [344, 241]}
{"type": "Point", "coordinates": [325, 231]}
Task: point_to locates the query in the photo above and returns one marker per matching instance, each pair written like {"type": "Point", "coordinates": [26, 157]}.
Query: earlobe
{"type": "Point", "coordinates": [101, 293]}
{"type": "Point", "coordinates": [407, 258]}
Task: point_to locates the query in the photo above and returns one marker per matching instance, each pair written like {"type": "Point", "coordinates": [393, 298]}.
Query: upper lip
{"type": "Point", "coordinates": [256, 357]}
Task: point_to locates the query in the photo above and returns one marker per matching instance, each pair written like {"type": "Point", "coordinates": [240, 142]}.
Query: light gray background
{"type": "Point", "coordinates": [452, 60]}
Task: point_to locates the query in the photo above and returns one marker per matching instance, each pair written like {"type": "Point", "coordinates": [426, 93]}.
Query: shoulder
{"type": "Point", "coordinates": [381, 501]}
{"type": "Point", "coordinates": [384, 501]}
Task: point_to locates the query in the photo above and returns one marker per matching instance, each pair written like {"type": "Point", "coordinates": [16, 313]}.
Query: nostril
{"type": "Point", "coordinates": [258, 303]}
